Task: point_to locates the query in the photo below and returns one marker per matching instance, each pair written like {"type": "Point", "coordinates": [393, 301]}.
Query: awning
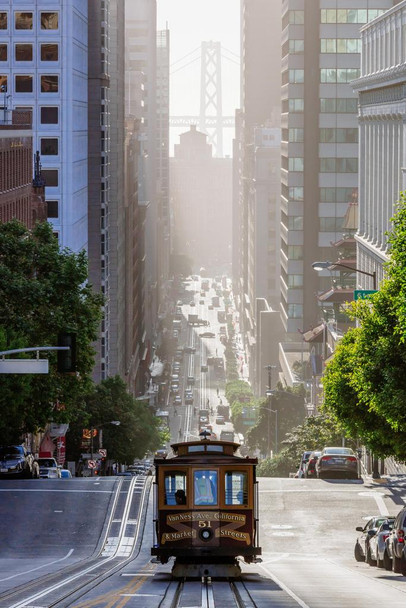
{"type": "Point", "coordinates": [315, 334]}
{"type": "Point", "coordinates": [338, 296]}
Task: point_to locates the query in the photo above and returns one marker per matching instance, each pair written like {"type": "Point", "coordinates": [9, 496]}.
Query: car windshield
{"type": "Point", "coordinates": [44, 462]}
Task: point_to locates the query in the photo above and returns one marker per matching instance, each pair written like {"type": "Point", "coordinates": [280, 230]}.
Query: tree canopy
{"type": "Point", "coordinates": [43, 291]}
{"type": "Point", "coordinates": [365, 383]}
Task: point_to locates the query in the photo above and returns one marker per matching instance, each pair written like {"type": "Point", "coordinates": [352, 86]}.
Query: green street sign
{"type": "Point", "coordinates": [362, 294]}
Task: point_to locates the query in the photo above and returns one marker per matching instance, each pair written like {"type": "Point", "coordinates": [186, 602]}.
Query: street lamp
{"type": "Point", "coordinates": [331, 266]}
{"type": "Point", "coordinates": [96, 428]}
{"type": "Point", "coordinates": [269, 409]}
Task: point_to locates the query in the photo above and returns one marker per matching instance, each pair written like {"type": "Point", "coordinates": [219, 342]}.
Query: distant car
{"type": "Point", "coordinates": [204, 368]}
{"type": "Point", "coordinates": [309, 468]}
{"type": "Point", "coordinates": [66, 474]}
{"type": "Point", "coordinates": [16, 461]}
{"type": "Point", "coordinates": [178, 400]}
{"type": "Point", "coordinates": [220, 420]}
{"type": "Point", "coordinates": [161, 453]}
{"type": "Point", "coordinates": [190, 349]}
{"type": "Point", "coordinates": [192, 303]}
{"type": "Point", "coordinates": [201, 302]}
{"type": "Point", "coordinates": [337, 461]}
{"type": "Point", "coordinates": [367, 531]}
{"type": "Point", "coordinates": [48, 468]}
{"type": "Point", "coordinates": [394, 556]}
{"type": "Point", "coordinates": [376, 549]}
{"type": "Point", "coordinates": [208, 334]}
{"type": "Point", "coordinates": [190, 379]}
{"type": "Point", "coordinates": [210, 306]}
{"type": "Point", "coordinates": [203, 419]}
{"type": "Point", "coordinates": [303, 461]}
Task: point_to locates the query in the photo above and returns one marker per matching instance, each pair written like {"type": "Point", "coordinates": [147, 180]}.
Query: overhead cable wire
{"type": "Point", "coordinates": [184, 57]}
{"type": "Point", "coordinates": [184, 66]}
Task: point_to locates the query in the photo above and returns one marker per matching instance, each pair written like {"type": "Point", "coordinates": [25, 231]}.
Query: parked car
{"type": "Point", "coordinates": [367, 532]}
{"type": "Point", "coordinates": [49, 468]}
{"type": "Point", "coordinates": [376, 545]}
{"type": "Point", "coordinates": [220, 420]}
{"type": "Point", "coordinates": [204, 368]}
{"type": "Point", "coordinates": [16, 461]}
{"type": "Point", "coordinates": [309, 468]}
{"type": "Point", "coordinates": [190, 379]}
{"type": "Point", "coordinates": [208, 334]}
{"type": "Point", "coordinates": [190, 349]}
{"type": "Point", "coordinates": [337, 461]}
{"type": "Point", "coordinates": [66, 474]}
{"type": "Point", "coordinates": [177, 400]}
{"type": "Point", "coordinates": [192, 303]}
{"type": "Point", "coordinates": [303, 461]}
{"type": "Point", "coordinates": [394, 556]}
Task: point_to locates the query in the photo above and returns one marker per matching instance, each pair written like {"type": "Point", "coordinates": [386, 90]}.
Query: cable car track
{"type": "Point", "coordinates": [60, 588]}
{"type": "Point", "coordinates": [208, 593]}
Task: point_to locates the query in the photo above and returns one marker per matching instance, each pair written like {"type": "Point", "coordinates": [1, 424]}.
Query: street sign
{"type": "Point", "coordinates": [102, 452]}
{"type": "Point", "coordinates": [362, 294]}
{"type": "Point", "coordinates": [91, 464]}
{"type": "Point", "coordinates": [23, 366]}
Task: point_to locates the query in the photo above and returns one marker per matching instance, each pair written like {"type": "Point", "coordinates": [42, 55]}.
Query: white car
{"type": "Point", "coordinates": [49, 468]}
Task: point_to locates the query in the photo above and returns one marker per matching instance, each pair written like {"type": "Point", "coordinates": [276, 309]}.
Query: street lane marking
{"type": "Point", "coordinates": [38, 567]}
{"type": "Point", "coordinates": [61, 491]}
{"type": "Point", "coordinates": [378, 497]}
{"type": "Point", "coordinates": [284, 587]}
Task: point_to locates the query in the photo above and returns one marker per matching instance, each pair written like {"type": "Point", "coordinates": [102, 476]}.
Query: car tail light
{"type": "Point", "coordinates": [401, 536]}
{"type": "Point", "coordinates": [385, 536]}
{"type": "Point", "coordinates": [352, 459]}
{"type": "Point", "coordinates": [325, 458]}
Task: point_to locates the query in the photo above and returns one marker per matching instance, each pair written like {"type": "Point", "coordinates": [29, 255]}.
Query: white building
{"type": "Point", "coordinates": [43, 64]}
{"type": "Point", "coordinates": [382, 115]}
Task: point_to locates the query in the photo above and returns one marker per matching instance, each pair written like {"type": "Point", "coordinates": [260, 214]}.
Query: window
{"type": "Point", "coordinates": [296, 164]}
{"type": "Point", "coordinates": [53, 209]}
{"type": "Point", "coordinates": [338, 195]}
{"type": "Point", "coordinates": [175, 488]}
{"type": "Point", "coordinates": [205, 487]}
{"type": "Point", "coordinates": [236, 488]}
{"type": "Point", "coordinates": [295, 252]}
{"type": "Point", "coordinates": [295, 222]}
{"type": "Point", "coordinates": [49, 84]}
{"type": "Point", "coordinates": [49, 52]}
{"type": "Point", "coordinates": [50, 176]}
{"type": "Point", "coordinates": [3, 83]}
{"type": "Point", "coordinates": [49, 146]}
{"type": "Point", "coordinates": [49, 115]}
{"type": "Point", "coordinates": [23, 84]}
{"type": "Point", "coordinates": [339, 165]}
{"type": "Point", "coordinates": [296, 47]}
{"type": "Point", "coordinates": [3, 21]}
{"type": "Point", "coordinates": [296, 193]}
{"type": "Point", "coordinates": [23, 52]}
{"type": "Point", "coordinates": [296, 17]}
{"type": "Point", "coordinates": [296, 76]}
{"type": "Point", "coordinates": [23, 21]}
{"type": "Point", "coordinates": [49, 21]}
{"type": "Point", "coordinates": [296, 105]}
{"type": "Point", "coordinates": [295, 280]}
{"type": "Point", "coordinates": [3, 52]}
{"type": "Point", "coordinates": [340, 105]}
{"type": "Point", "coordinates": [340, 136]}
{"type": "Point", "coordinates": [296, 135]}
{"type": "Point", "coordinates": [338, 75]}
{"type": "Point", "coordinates": [347, 15]}
{"type": "Point", "coordinates": [295, 311]}
{"type": "Point", "coordinates": [331, 224]}
{"type": "Point", "coordinates": [340, 45]}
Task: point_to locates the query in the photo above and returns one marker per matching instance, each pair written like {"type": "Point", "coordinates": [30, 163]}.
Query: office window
{"type": "Point", "coordinates": [23, 21]}
{"type": "Point", "coordinates": [340, 105]}
{"type": "Point", "coordinates": [49, 115]}
{"type": "Point", "coordinates": [23, 84]}
{"type": "Point", "coordinates": [331, 224]}
{"type": "Point", "coordinates": [339, 165]}
{"type": "Point", "coordinates": [339, 136]}
{"type": "Point", "coordinates": [3, 83]}
{"type": "Point", "coordinates": [49, 52]}
{"type": "Point", "coordinates": [296, 76]}
{"type": "Point", "coordinates": [3, 52]}
{"type": "Point", "coordinates": [340, 45]}
{"type": "Point", "coordinates": [338, 195]}
{"type": "Point", "coordinates": [296, 193]}
{"type": "Point", "coordinates": [338, 75]}
{"type": "Point", "coordinates": [296, 47]}
{"type": "Point", "coordinates": [296, 163]}
{"type": "Point", "coordinates": [23, 52]}
{"type": "Point", "coordinates": [295, 311]}
{"type": "Point", "coordinates": [52, 209]}
{"type": "Point", "coordinates": [296, 17]}
{"type": "Point", "coordinates": [49, 21]}
{"type": "Point", "coordinates": [49, 84]}
{"type": "Point", "coordinates": [347, 15]}
{"type": "Point", "coordinates": [296, 135]}
{"type": "Point", "coordinates": [3, 21]}
{"type": "Point", "coordinates": [50, 176]}
{"type": "Point", "coordinates": [296, 105]}
{"type": "Point", "coordinates": [295, 280]}
{"type": "Point", "coordinates": [295, 252]}
{"type": "Point", "coordinates": [49, 146]}
{"type": "Point", "coordinates": [295, 222]}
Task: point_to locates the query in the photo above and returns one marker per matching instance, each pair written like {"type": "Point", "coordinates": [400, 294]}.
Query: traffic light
{"type": "Point", "coordinates": [67, 358]}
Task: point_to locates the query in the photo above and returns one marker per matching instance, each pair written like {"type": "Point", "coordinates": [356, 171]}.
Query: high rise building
{"type": "Point", "coordinates": [320, 57]}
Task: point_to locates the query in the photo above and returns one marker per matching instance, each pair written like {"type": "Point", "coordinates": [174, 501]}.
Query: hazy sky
{"type": "Point", "coordinates": [190, 23]}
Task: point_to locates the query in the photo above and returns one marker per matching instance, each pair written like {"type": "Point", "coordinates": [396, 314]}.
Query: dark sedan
{"type": "Point", "coordinates": [337, 461]}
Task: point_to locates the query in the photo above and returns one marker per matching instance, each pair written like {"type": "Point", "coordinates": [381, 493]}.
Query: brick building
{"type": "Point", "coordinates": [21, 197]}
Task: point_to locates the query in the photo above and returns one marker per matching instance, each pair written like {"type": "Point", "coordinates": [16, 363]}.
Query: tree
{"type": "Point", "coordinates": [365, 383]}
{"type": "Point", "coordinates": [137, 433]}
{"type": "Point", "coordinates": [43, 291]}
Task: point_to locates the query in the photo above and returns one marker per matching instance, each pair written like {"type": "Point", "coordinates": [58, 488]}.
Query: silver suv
{"type": "Point", "coordinates": [49, 468]}
{"type": "Point", "coordinates": [394, 557]}
{"type": "Point", "coordinates": [16, 461]}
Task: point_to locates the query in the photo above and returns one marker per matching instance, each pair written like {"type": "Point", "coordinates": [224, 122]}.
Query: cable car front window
{"type": "Point", "coordinates": [236, 488]}
{"type": "Point", "coordinates": [175, 488]}
{"type": "Point", "coordinates": [205, 487]}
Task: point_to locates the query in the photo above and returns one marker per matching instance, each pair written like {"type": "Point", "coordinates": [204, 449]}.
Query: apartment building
{"type": "Point", "coordinates": [321, 48]}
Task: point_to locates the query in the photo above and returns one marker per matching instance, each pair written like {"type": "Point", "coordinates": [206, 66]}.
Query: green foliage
{"type": "Point", "coordinates": [315, 433]}
{"type": "Point", "coordinates": [291, 412]}
{"type": "Point", "coordinates": [137, 433]}
{"type": "Point", "coordinates": [43, 291]}
{"type": "Point", "coordinates": [365, 383]}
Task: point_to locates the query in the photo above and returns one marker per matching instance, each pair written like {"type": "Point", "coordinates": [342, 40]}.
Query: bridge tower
{"type": "Point", "coordinates": [211, 110]}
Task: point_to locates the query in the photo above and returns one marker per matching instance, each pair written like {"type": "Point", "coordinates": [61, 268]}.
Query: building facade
{"type": "Point", "coordinates": [321, 48]}
{"type": "Point", "coordinates": [382, 114]}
